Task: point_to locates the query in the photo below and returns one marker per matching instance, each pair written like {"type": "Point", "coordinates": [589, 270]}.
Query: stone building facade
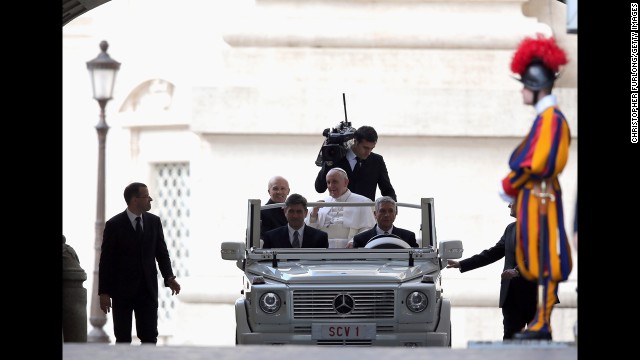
{"type": "Point", "coordinates": [214, 98]}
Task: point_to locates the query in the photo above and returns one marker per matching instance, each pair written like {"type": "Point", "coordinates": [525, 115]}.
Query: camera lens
{"type": "Point", "coordinates": [333, 152]}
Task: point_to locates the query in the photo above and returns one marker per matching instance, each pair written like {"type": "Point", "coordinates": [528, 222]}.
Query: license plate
{"type": "Point", "coordinates": [343, 331]}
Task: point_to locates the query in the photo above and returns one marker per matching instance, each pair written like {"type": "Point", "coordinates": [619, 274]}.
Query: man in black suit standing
{"type": "Point", "coordinates": [132, 243]}
{"type": "Point", "coordinates": [270, 219]}
{"type": "Point", "coordinates": [295, 234]}
{"type": "Point", "coordinates": [517, 294]}
{"type": "Point", "coordinates": [365, 169]}
{"type": "Point", "coordinates": [385, 211]}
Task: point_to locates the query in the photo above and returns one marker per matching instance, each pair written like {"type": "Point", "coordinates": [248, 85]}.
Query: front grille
{"type": "Point", "coordinates": [319, 304]}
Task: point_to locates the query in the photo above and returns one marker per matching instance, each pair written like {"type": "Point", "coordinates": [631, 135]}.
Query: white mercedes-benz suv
{"type": "Point", "coordinates": [385, 294]}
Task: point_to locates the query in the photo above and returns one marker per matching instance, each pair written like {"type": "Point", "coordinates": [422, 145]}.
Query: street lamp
{"type": "Point", "coordinates": [103, 70]}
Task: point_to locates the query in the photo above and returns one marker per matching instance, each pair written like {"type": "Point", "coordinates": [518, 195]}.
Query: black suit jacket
{"type": "Point", "coordinates": [361, 239]}
{"type": "Point", "coordinates": [311, 238]}
{"type": "Point", "coordinates": [126, 261]}
{"type": "Point", "coordinates": [271, 218]}
{"type": "Point", "coordinates": [372, 174]}
{"type": "Point", "coordinates": [523, 291]}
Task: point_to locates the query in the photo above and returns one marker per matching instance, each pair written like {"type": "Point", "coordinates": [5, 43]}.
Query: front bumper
{"type": "Point", "coordinates": [441, 337]}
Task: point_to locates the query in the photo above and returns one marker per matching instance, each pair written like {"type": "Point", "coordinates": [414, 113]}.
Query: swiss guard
{"type": "Point", "coordinates": [543, 253]}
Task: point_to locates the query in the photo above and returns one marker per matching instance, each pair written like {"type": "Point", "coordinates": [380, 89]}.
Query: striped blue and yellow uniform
{"type": "Point", "coordinates": [539, 158]}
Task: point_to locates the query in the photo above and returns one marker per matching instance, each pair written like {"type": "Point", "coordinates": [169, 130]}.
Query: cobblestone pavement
{"type": "Point", "coordinates": [494, 351]}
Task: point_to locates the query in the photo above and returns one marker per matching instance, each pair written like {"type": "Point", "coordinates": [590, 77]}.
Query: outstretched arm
{"type": "Point", "coordinates": [453, 264]}
{"type": "Point", "coordinates": [384, 182]}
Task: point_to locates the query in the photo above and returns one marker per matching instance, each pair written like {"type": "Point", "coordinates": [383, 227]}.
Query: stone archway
{"type": "Point", "coordinates": [71, 9]}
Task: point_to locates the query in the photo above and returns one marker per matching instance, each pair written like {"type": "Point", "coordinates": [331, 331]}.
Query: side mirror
{"type": "Point", "coordinates": [233, 250]}
{"type": "Point", "coordinates": [450, 249]}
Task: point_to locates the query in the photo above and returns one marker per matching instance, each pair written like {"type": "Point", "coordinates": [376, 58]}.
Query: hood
{"type": "Point", "coordinates": [298, 272]}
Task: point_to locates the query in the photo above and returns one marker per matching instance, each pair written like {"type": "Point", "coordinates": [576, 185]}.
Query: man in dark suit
{"type": "Point", "coordinates": [132, 243]}
{"type": "Point", "coordinates": [295, 234]}
{"type": "Point", "coordinates": [385, 212]}
{"type": "Point", "coordinates": [278, 190]}
{"type": "Point", "coordinates": [517, 294]}
{"type": "Point", "coordinates": [365, 169]}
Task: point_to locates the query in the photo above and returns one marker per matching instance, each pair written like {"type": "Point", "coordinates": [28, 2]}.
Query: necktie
{"type": "Point", "coordinates": [296, 240]}
{"type": "Point", "coordinates": [138, 227]}
{"type": "Point", "coordinates": [358, 164]}
{"type": "Point", "coordinates": [386, 233]}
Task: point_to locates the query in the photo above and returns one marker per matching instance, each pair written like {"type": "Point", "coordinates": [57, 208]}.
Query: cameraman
{"type": "Point", "coordinates": [365, 169]}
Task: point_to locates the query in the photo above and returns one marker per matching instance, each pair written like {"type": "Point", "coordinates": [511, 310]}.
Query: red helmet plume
{"type": "Point", "coordinates": [543, 49]}
{"type": "Point", "coordinates": [538, 61]}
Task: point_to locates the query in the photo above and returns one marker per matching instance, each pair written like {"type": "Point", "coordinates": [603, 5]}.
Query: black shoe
{"type": "Point", "coordinates": [532, 335]}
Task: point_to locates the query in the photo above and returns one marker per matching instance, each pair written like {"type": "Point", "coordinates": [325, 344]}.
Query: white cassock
{"type": "Point", "coordinates": [342, 223]}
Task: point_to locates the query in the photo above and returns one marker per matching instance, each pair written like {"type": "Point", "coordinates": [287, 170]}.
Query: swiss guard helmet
{"type": "Point", "coordinates": [537, 76]}
{"type": "Point", "coordinates": [537, 62]}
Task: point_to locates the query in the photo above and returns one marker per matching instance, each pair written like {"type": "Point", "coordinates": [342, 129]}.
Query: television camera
{"type": "Point", "coordinates": [337, 140]}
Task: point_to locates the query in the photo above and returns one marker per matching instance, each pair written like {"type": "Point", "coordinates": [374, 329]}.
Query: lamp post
{"type": "Point", "coordinates": [103, 70]}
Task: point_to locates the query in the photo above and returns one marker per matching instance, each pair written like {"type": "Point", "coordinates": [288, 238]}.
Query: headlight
{"type": "Point", "coordinates": [417, 301]}
{"type": "Point", "coordinates": [270, 302]}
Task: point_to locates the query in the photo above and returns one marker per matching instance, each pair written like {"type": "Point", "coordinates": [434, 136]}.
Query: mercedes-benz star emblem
{"type": "Point", "coordinates": [343, 304]}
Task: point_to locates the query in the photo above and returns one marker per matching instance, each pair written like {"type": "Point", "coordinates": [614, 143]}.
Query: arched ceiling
{"type": "Point", "coordinates": [71, 9]}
